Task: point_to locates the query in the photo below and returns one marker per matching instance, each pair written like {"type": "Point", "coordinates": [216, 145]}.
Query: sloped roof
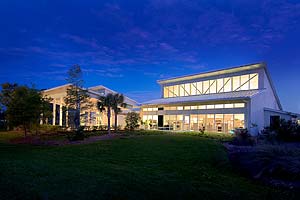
{"type": "Point", "coordinates": [208, 97]}
{"type": "Point", "coordinates": [214, 73]}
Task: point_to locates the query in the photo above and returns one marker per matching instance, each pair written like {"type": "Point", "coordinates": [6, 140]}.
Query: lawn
{"type": "Point", "coordinates": [144, 167]}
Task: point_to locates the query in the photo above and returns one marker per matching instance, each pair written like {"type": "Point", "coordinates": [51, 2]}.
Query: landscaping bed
{"type": "Point", "coordinates": [277, 165]}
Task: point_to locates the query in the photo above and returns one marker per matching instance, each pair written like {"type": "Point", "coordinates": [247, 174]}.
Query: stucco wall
{"type": "Point", "coordinates": [265, 99]}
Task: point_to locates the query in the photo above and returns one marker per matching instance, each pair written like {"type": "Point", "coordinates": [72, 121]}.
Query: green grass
{"type": "Point", "coordinates": [146, 167]}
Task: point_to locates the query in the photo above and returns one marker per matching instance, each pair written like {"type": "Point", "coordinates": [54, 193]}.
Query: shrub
{"type": "Point", "coordinates": [77, 134]}
{"type": "Point", "coordinates": [242, 138]}
{"type": "Point", "coordinates": [268, 136]}
{"type": "Point", "coordinates": [45, 128]}
{"type": "Point", "coordinates": [285, 131]}
{"type": "Point", "coordinates": [132, 121]}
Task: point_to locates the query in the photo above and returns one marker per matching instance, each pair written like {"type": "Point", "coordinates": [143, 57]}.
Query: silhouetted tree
{"type": "Point", "coordinates": [77, 98]}
{"type": "Point", "coordinates": [118, 103]}
{"type": "Point", "coordinates": [106, 103]}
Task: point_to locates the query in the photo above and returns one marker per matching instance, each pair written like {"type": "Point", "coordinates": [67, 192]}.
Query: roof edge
{"type": "Point", "coordinates": [212, 72]}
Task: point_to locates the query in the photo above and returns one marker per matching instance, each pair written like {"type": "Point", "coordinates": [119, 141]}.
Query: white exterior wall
{"type": "Point", "coordinates": [264, 99]}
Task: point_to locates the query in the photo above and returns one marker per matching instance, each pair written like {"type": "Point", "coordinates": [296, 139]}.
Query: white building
{"type": "Point", "coordinates": [217, 101]}
{"type": "Point", "coordinates": [91, 117]}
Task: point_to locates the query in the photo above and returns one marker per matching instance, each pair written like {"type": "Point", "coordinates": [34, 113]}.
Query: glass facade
{"type": "Point", "coordinates": [229, 84]}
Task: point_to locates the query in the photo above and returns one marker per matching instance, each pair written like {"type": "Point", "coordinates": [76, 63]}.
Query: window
{"type": "Point", "coordinates": [253, 81]}
{"type": "Point", "coordinates": [220, 83]}
{"type": "Point", "coordinates": [199, 88]}
{"type": "Point", "coordinates": [182, 90]}
{"type": "Point", "coordinates": [235, 83]}
{"type": "Point", "coordinates": [210, 106]}
{"type": "Point", "coordinates": [171, 91]}
{"type": "Point", "coordinates": [194, 107]}
{"type": "Point", "coordinates": [239, 105]}
{"type": "Point", "coordinates": [218, 106]}
{"type": "Point", "coordinates": [213, 86]}
{"type": "Point", "coordinates": [245, 82]}
{"type": "Point", "coordinates": [228, 105]}
{"type": "Point", "coordinates": [193, 88]}
{"type": "Point", "coordinates": [166, 92]}
{"type": "Point", "coordinates": [176, 91]}
{"type": "Point", "coordinates": [202, 107]}
{"type": "Point", "coordinates": [187, 89]}
{"type": "Point", "coordinates": [187, 107]}
{"type": "Point", "coordinates": [205, 87]}
{"type": "Point", "coordinates": [239, 121]}
{"type": "Point", "coordinates": [179, 108]}
{"type": "Point", "coordinates": [227, 84]}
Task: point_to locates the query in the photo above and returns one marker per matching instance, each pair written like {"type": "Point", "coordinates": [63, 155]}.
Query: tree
{"type": "Point", "coordinates": [45, 109]}
{"type": "Point", "coordinates": [118, 103]}
{"type": "Point", "coordinates": [23, 105]}
{"type": "Point", "coordinates": [77, 98]}
{"type": "Point", "coordinates": [132, 120]}
{"type": "Point", "coordinates": [106, 103]}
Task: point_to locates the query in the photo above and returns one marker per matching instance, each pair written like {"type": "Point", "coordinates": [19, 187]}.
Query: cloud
{"type": "Point", "coordinates": [104, 72]}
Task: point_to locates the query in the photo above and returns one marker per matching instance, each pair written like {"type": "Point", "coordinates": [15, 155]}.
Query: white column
{"type": "Point", "coordinates": [54, 112]}
{"type": "Point", "coordinates": [60, 112]}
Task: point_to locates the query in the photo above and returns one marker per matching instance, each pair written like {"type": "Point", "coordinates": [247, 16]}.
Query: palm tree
{"type": "Point", "coordinates": [106, 102]}
{"type": "Point", "coordinates": [118, 102]}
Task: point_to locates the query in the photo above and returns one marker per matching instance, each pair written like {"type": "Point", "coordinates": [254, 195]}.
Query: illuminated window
{"type": "Point", "coordinates": [182, 90]}
{"type": "Point", "coordinates": [193, 88]}
{"type": "Point", "coordinates": [176, 91]}
{"type": "Point", "coordinates": [155, 109]}
{"type": "Point", "coordinates": [199, 88]}
{"type": "Point", "coordinates": [220, 83]}
{"type": "Point", "coordinates": [202, 107]}
{"type": "Point", "coordinates": [145, 109]}
{"type": "Point", "coordinates": [166, 92]}
{"type": "Point", "coordinates": [194, 107]}
{"type": "Point", "coordinates": [187, 107]}
{"type": "Point", "coordinates": [218, 106]}
{"type": "Point", "coordinates": [186, 119]}
{"type": "Point", "coordinates": [236, 83]}
{"type": "Point", "coordinates": [227, 84]}
{"type": "Point", "coordinates": [213, 86]}
{"type": "Point", "coordinates": [187, 89]}
{"type": "Point", "coordinates": [210, 106]}
{"type": "Point", "coordinates": [245, 82]}
{"type": "Point", "coordinates": [144, 117]}
{"type": "Point", "coordinates": [179, 117]}
{"type": "Point", "coordinates": [228, 105]}
{"type": "Point", "coordinates": [171, 91]}
{"type": "Point", "coordinates": [239, 121]}
{"type": "Point", "coordinates": [180, 108]}
{"type": "Point", "coordinates": [253, 81]}
{"type": "Point", "coordinates": [239, 105]}
{"type": "Point", "coordinates": [205, 87]}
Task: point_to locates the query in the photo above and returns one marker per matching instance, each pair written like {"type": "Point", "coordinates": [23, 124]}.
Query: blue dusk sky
{"type": "Point", "coordinates": [129, 45]}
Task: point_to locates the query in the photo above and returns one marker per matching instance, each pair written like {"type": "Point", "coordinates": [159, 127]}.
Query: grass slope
{"type": "Point", "coordinates": [146, 167]}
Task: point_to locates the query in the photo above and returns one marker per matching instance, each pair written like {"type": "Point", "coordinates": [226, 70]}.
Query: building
{"type": "Point", "coordinates": [89, 118]}
{"type": "Point", "coordinates": [217, 101]}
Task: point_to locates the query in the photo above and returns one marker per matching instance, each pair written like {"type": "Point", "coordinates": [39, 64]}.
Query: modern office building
{"type": "Point", "coordinates": [91, 117]}
{"type": "Point", "coordinates": [217, 101]}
